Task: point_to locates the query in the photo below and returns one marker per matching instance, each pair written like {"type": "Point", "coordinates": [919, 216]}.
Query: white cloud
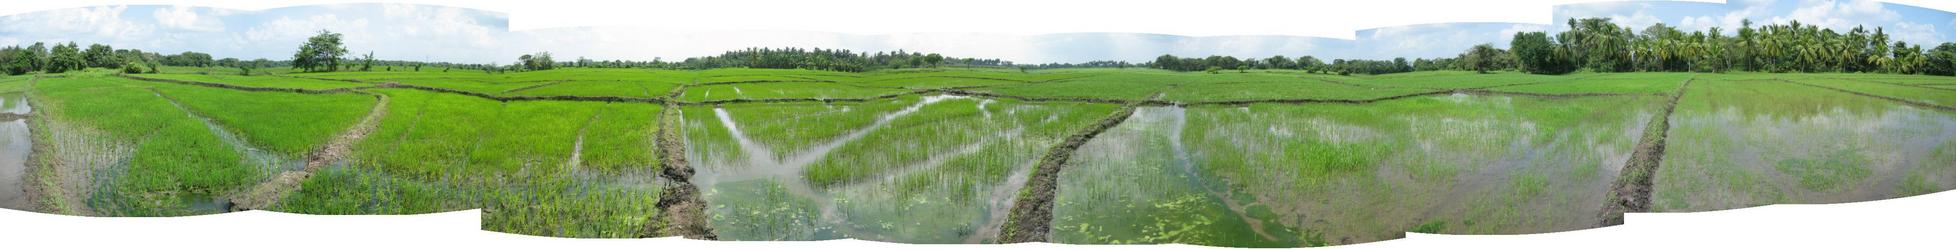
{"type": "Point", "coordinates": [104, 21]}
{"type": "Point", "coordinates": [1914, 33]}
{"type": "Point", "coordinates": [288, 28]}
{"type": "Point", "coordinates": [1839, 15]}
{"type": "Point", "coordinates": [186, 18]}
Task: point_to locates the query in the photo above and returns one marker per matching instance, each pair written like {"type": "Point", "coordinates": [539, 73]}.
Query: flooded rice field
{"type": "Point", "coordinates": [932, 168]}
{"type": "Point", "coordinates": [1291, 175]}
{"type": "Point", "coordinates": [935, 169]}
{"type": "Point", "coordinates": [15, 144]}
{"type": "Point", "coordinates": [1790, 144]}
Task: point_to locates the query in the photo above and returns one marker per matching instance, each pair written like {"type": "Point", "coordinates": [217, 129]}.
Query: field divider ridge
{"type": "Point", "coordinates": [266, 194]}
{"type": "Point", "coordinates": [681, 210]}
{"type": "Point", "coordinates": [1031, 217]}
{"type": "Point", "coordinates": [1915, 103]}
{"type": "Point", "coordinates": [1631, 190]}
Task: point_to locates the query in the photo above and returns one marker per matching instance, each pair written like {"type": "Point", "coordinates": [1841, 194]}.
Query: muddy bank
{"type": "Point", "coordinates": [1031, 216]}
{"type": "Point", "coordinates": [1631, 191]}
{"type": "Point", "coordinates": [681, 211]}
{"type": "Point", "coordinates": [547, 84]}
{"type": "Point", "coordinates": [265, 194]}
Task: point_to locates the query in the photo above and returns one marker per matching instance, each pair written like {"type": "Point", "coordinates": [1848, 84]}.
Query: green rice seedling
{"type": "Point", "coordinates": [787, 90]}
{"type": "Point", "coordinates": [1289, 175]}
{"type": "Point", "coordinates": [621, 138]}
{"type": "Point", "coordinates": [1746, 143]}
{"type": "Point", "coordinates": [1934, 96]}
{"type": "Point", "coordinates": [638, 89]}
{"type": "Point", "coordinates": [426, 135]}
{"type": "Point", "coordinates": [788, 128]}
{"type": "Point", "coordinates": [1643, 83]}
{"type": "Point", "coordinates": [179, 167]}
{"type": "Point", "coordinates": [290, 125]}
{"type": "Point", "coordinates": [259, 81]}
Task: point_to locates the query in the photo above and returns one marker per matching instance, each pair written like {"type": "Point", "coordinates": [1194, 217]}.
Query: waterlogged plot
{"type": "Point", "coordinates": [138, 153]}
{"type": "Point", "coordinates": [936, 169]}
{"type": "Point", "coordinates": [287, 125]}
{"type": "Point", "coordinates": [1273, 175]}
{"type": "Point", "coordinates": [1738, 144]}
{"type": "Point", "coordinates": [583, 169]}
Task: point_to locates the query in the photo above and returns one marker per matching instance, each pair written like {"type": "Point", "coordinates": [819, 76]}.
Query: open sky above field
{"type": "Point", "coordinates": [456, 34]}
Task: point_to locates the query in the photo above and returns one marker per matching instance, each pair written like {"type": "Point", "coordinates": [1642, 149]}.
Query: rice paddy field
{"type": "Point", "coordinates": [971, 155]}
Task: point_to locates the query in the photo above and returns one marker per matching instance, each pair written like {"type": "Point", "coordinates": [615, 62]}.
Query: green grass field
{"type": "Point", "coordinates": [1257, 158]}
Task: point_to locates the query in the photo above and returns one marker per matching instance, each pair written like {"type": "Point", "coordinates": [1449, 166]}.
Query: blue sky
{"type": "Point", "coordinates": [438, 33]}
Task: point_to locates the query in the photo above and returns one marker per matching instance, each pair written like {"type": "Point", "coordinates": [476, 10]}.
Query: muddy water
{"type": "Point", "coordinates": [1297, 175]}
{"type": "Point", "coordinates": [957, 192]}
{"type": "Point", "coordinates": [1802, 145]}
{"type": "Point", "coordinates": [15, 103]}
{"type": "Point", "coordinates": [14, 147]}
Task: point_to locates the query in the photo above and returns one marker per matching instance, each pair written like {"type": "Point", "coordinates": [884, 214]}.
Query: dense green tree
{"type": "Point", "coordinates": [101, 56]}
{"type": "Point", "coordinates": [1942, 60]}
{"type": "Point", "coordinates": [65, 57]}
{"type": "Point", "coordinates": [1535, 53]}
{"type": "Point", "coordinates": [1483, 58]}
{"type": "Point", "coordinates": [321, 52]}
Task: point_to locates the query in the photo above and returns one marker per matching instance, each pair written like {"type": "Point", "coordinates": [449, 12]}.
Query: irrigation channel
{"type": "Point", "coordinates": [17, 141]}
{"type": "Point", "coordinates": [961, 166]}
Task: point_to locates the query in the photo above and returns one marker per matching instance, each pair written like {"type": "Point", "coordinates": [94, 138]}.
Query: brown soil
{"type": "Point", "coordinates": [1031, 217]}
{"type": "Point", "coordinates": [1631, 191]}
{"type": "Point", "coordinates": [268, 193]}
{"type": "Point", "coordinates": [681, 211]}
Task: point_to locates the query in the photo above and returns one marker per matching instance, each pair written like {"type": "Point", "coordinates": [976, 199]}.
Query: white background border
{"type": "Point", "coordinates": [1921, 222]}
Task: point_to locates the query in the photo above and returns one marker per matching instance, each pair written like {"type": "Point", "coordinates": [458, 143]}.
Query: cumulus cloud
{"type": "Point", "coordinates": [288, 28]}
{"type": "Point", "coordinates": [1839, 15]}
{"type": "Point", "coordinates": [97, 21]}
{"type": "Point", "coordinates": [185, 18]}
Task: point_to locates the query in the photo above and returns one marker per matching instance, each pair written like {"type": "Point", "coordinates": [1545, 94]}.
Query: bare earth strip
{"type": "Point", "coordinates": [1631, 192]}
{"type": "Point", "coordinates": [268, 193]}
{"type": "Point", "coordinates": [1032, 215]}
{"type": "Point", "coordinates": [681, 211]}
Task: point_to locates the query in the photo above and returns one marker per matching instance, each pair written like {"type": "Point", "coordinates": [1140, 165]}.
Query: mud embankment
{"type": "Point", "coordinates": [546, 84]}
{"type": "Point", "coordinates": [266, 194]}
{"type": "Point", "coordinates": [1631, 191]}
{"type": "Point", "coordinates": [1915, 103]}
{"type": "Point", "coordinates": [1031, 217]}
{"type": "Point", "coordinates": [681, 211]}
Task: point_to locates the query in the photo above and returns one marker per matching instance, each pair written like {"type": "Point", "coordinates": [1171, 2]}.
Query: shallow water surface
{"type": "Point", "coordinates": [1752, 143]}
{"type": "Point", "coordinates": [1301, 175]}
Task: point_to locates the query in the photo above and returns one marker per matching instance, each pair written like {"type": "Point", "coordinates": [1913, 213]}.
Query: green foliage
{"type": "Point", "coordinates": [1535, 53]}
{"type": "Point", "coordinates": [321, 52]}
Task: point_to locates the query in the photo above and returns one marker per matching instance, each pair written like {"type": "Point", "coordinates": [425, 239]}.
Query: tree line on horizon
{"type": "Point", "coordinates": [1590, 44]}
{"type": "Point", "coordinates": [1598, 45]}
